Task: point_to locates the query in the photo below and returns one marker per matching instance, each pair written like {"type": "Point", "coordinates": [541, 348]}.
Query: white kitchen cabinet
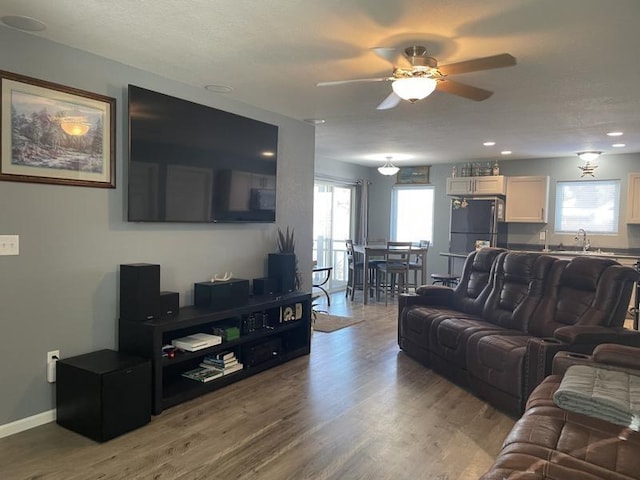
{"type": "Point", "coordinates": [633, 198]}
{"type": "Point", "coordinates": [527, 199]}
{"type": "Point", "coordinates": [487, 185]}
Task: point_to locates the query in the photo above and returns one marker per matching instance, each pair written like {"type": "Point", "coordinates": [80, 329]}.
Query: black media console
{"type": "Point", "coordinates": [272, 330]}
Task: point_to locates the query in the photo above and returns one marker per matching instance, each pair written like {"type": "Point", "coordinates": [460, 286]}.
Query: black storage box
{"type": "Point", "coordinates": [103, 394]}
{"type": "Point", "coordinates": [263, 352]}
{"type": "Point", "coordinates": [221, 295]}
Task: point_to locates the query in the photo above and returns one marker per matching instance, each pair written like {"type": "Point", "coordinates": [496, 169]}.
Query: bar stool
{"type": "Point", "coordinates": [446, 279]}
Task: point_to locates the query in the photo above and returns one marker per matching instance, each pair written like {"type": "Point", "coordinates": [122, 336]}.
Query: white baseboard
{"type": "Point", "coordinates": [27, 423]}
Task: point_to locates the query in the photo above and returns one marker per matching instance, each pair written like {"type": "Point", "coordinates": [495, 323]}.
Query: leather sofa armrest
{"type": "Point", "coordinates": [617, 355]}
{"type": "Point", "coordinates": [595, 335]}
{"type": "Point", "coordinates": [563, 360]}
{"type": "Point", "coordinates": [435, 294]}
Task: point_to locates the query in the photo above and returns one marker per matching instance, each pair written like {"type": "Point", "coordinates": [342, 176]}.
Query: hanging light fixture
{"type": "Point", "coordinates": [588, 168]}
{"type": "Point", "coordinates": [414, 88]}
{"type": "Point", "coordinates": [388, 168]}
{"type": "Point", "coordinates": [75, 124]}
{"type": "Point", "coordinates": [589, 156]}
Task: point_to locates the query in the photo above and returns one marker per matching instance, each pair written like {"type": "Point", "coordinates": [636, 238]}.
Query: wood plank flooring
{"type": "Point", "coordinates": [355, 408]}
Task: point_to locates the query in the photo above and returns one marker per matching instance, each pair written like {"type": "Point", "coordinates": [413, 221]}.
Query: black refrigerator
{"type": "Point", "coordinates": [477, 220]}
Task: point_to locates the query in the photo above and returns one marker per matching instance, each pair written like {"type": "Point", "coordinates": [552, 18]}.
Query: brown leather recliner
{"type": "Point", "coordinates": [433, 302]}
{"type": "Point", "coordinates": [584, 292]}
{"type": "Point", "coordinates": [499, 329]}
{"type": "Point", "coordinates": [551, 443]}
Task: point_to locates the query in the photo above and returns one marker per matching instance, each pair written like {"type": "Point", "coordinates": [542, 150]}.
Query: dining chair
{"type": "Point", "coordinates": [415, 263]}
{"type": "Point", "coordinates": [354, 271]}
{"type": "Point", "coordinates": [392, 275]}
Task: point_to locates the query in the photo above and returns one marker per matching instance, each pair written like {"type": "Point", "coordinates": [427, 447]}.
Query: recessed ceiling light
{"type": "Point", "coordinates": [615, 134]}
{"type": "Point", "coordinates": [216, 88]}
{"type": "Point", "coordinates": [314, 121]}
{"type": "Point", "coordinates": [619, 145]}
{"type": "Point", "coordinates": [489, 144]}
{"type": "Point", "coordinates": [20, 22]}
{"type": "Point", "coordinates": [506, 152]}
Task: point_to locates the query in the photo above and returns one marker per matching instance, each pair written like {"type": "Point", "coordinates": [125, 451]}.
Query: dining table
{"type": "Point", "coordinates": [374, 251]}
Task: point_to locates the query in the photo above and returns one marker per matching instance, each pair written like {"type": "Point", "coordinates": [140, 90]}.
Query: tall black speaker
{"type": "Point", "coordinates": [139, 291]}
{"type": "Point", "coordinates": [282, 267]}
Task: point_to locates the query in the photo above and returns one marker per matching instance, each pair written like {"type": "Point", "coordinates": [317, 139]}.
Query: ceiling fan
{"type": "Point", "coordinates": [416, 75]}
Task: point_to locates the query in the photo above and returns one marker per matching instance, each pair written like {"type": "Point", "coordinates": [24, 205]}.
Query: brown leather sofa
{"type": "Point", "coordinates": [549, 442]}
{"type": "Point", "coordinates": [498, 330]}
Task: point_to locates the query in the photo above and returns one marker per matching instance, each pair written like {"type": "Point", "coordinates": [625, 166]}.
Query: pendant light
{"type": "Point", "coordinates": [388, 168]}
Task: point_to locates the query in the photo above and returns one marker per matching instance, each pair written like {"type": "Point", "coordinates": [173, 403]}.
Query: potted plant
{"type": "Point", "coordinates": [283, 266]}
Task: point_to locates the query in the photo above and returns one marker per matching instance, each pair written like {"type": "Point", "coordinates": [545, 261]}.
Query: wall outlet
{"type": "Point", "coordinates": [52, 358]}
{"type": "Point", "coordinates": [9, 245]}
{"type": "Point", "coordinates": [543, 236]}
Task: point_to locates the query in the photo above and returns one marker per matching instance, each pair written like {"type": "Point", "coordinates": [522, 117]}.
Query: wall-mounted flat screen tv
{"type": "Point", "coordinates": [193, 163]}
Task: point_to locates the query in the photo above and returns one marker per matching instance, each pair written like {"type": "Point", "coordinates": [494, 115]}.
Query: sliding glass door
{"type": "Point", "coordinates": [332, 225]}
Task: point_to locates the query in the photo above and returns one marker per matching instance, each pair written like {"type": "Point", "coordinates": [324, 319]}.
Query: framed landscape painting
{"type": "Point", "coordinates": [55, 134]}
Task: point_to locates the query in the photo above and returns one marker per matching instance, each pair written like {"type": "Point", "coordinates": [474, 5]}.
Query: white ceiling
{"type": "Point", "coordinates": [578, 73]}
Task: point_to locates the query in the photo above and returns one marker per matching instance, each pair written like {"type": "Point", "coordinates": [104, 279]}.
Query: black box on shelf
{"type": "Point", "coordinates": [265, 286]}
{"type": "Point", "coordinates": [139, 291]}
{"type": "Point", "coordinates": [221, 295]}
{"type": "Point", "coordinates": [103, 394]}
{"type": "Point", "coordinates": [169, 304]}
{"type": "Point", "coordinates": [263, 352]}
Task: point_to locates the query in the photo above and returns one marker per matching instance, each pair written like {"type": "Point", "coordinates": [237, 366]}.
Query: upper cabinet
{"type": "Point", "coordinates": [527, 199]}
{"type": "Point", "coordinates": [488, 185]}
{"type": "Point", "coordinates": [633, 198]}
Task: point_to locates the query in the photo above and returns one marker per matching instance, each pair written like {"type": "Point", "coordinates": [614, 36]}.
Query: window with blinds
{"type": "Point", "coordinates": [592, 205]}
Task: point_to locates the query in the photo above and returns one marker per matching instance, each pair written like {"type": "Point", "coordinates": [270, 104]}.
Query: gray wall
{"type": "Point", "coordinates": [61, 292]}
{"type": "Point", "coordinates": [558, 169]}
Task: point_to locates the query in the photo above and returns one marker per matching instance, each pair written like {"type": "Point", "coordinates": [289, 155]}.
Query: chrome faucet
{"type": "Point", "coordinates": [583, 242]}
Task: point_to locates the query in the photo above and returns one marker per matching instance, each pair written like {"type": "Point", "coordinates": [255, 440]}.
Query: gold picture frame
{"type": "Point", "coordinates": [55, 134]}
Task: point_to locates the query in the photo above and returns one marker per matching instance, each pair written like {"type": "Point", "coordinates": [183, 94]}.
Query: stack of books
{"type": "Point", "coordinates": [203, 374]}
{"type": "Point", "coordinates": [226, 362]}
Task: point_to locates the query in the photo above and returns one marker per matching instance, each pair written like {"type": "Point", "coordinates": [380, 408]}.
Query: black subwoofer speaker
{"type": "Point", "coordinates": [282, 267]}
{"type": "Point", "coordinates": [139, 291]}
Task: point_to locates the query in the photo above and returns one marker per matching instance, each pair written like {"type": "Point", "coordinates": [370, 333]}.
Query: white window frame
{"type": "Point", "coordinates": [415, 211]}
{"type": "Point", "coordinates": [588, 211]}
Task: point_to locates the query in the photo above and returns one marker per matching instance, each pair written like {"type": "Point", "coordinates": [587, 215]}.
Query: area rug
{"type": "Point", "coordinates": [330, 323]}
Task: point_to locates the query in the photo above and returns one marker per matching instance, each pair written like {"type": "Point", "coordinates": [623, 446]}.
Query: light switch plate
{"type": "Point", "coordinates": [9, 245]}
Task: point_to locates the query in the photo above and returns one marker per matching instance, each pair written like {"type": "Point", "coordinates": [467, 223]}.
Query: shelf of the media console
{"type": "Point", "coordinates": [181, 388]}
{"type": "Point", "coordinates": [183, 355]}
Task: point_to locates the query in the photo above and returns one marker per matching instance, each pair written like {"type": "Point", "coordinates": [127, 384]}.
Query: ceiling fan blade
{"type": "Point", "coordinates": [462, 90]}
{"type": "Point", "coordinates": [356, 80]}
{"type": "Point", "coordinates": [391, 101]}
{"type": "Point", "coordinates": [485, 63]}
{"type": "Point", "coordinates": [392, 56]}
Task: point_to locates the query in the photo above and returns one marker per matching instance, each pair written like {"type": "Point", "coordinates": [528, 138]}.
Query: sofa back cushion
{"type": "Point", "coordinates": [583, 291]}
{"type": "Point", "coordinates": [471, 292]}
{"type": "Point", "coordinates": [516, 289]}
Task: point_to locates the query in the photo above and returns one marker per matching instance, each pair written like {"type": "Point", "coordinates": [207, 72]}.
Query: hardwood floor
{"type": "Point", "coordinates": [355, 408]}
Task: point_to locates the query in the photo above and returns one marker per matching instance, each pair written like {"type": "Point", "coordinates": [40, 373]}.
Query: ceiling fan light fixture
{"type": "Point", "coordinates": [414, 88]}
{"type": "Point", "coordinates": [388, 168]}
{"type": "Point", "coordinates": [589, 156]}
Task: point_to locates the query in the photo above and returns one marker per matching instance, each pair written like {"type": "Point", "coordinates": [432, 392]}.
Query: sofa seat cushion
{"type": "Point", "coordinates": [449, 337]}
{"type": "Point", "coordinates": [551, 443]}
{"type": "Point", "coordinates": [565, 445]}
{"type": "Point", "coordinates": [497, 360]}
{"type": "Point", "coordinates": [417, 320]}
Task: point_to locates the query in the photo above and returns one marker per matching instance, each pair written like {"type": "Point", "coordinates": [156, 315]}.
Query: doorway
{"type": "Point", "coordinates": [332, 226]}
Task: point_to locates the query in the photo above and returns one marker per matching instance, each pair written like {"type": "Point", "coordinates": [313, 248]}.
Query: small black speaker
{"type": "Point", "coordinates": [169, 304]}
{"type": "Point", "coordinates": [221, 295]}
{"type": "Point", "coordinates": [265, 286]}
{"type": "Point", "coordinates": [139, 291]}
{"type": "Point", "coordinates": [282, 267]}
